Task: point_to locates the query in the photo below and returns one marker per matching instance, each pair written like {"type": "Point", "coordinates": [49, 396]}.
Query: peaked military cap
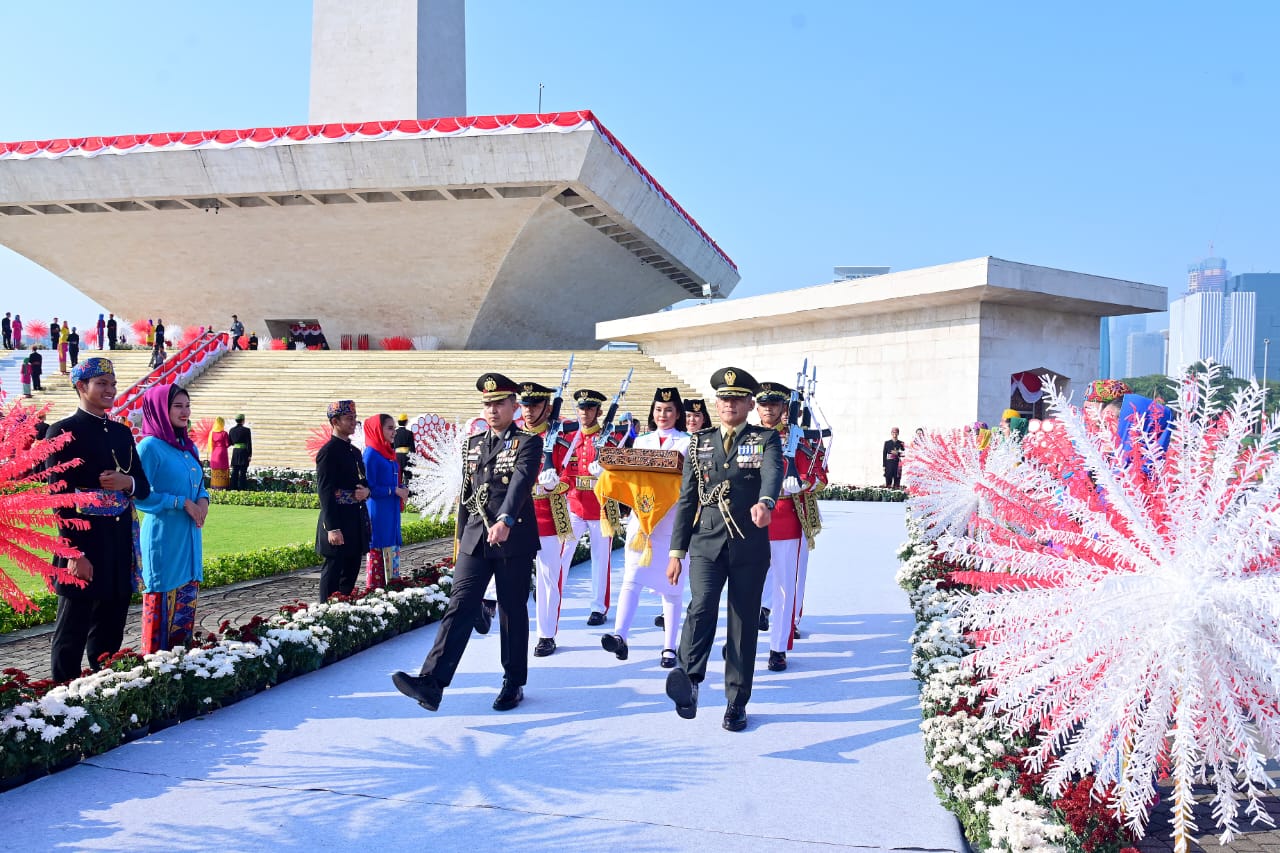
{"type": "Point", "coordinates": [495, 386]}
{"type": "Point", "coordinates": [668, 395]}
{"type": "Point", "coordinates": [587, 397]}
{"type": "Point", "coordinates": [533, 392]}
{"type": "Point", "coordinates": [734, 382]}
{"type": "Point", "coordinates": [695, 404]}
{"type": "Point", "coordinates": [773, 392]}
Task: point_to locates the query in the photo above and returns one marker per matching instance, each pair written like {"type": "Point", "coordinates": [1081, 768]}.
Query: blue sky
{"type": "Point", "coordinates": [1115, 139]}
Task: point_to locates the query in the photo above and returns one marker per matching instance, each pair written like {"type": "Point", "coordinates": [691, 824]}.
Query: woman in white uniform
{"type": "Point", "coordinates": [666, 432]}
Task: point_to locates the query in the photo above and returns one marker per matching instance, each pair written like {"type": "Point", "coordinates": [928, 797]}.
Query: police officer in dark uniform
{"type": "Point", "coordinates": [498, 538]}
{"type": "Point", "coordinates": [91, 615]}
{"type": "Point", "coordinates": [241, 440]}
{"type": "Point", "coordinates": [342, 530]}
{"type": "Point", "coordinates": [402, 443]}
{"type": "Point", "coordinates": [732, 476]}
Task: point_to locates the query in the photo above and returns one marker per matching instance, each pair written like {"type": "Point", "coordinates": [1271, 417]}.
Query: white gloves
{"type": "Point", "coordinates": [548, 479]}
{"type": "Point", "coordinates": [595, 469]}
{"type": "Point", "coordinates": [792, 485]}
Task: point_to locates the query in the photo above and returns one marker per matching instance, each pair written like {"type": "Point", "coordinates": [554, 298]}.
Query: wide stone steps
{"type": "Point", "coordinates": [130, 365]}
{"type": "Point", "coordinates": [283, 394]}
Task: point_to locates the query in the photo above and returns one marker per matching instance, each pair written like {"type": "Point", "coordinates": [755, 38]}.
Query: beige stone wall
{"type": "Point", "coordinates": [1017, 338]}
{"type": "Point", "coordinates": [905, 369]}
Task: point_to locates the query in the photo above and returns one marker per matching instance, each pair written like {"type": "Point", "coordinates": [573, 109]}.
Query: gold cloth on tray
{"type": "Point", "coordinates": [650, 494]}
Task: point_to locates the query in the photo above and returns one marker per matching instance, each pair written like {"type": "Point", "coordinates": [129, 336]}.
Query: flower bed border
{"type": "Point", "coordinates": [44, 727]}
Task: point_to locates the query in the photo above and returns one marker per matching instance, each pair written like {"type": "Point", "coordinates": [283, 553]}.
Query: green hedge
{"type": "Point", "coordinates": [862, 493]}
{"type": "Point", "coordinates": [282, 500]}
{"type": "Point", "coordinates": [233, 568]}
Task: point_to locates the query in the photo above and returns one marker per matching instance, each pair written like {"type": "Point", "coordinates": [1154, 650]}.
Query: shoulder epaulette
{"type": "Point", "coordinates": [707, 430]}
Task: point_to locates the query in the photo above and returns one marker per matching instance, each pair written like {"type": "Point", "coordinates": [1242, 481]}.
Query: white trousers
{"type": "Point", "coordinates": [601, 547]}
{"type": "Point", "coordinates": [636, 577]}
{"type": "Point", "coordinates": [781, 589]}
{"type": "Point", "coordinates": [551, 566]}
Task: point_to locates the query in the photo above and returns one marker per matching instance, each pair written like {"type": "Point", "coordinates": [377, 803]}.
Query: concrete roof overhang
{"type": "Point", "coordinates": [519, 235]}
{"type": "Point", "coordinates": [981, 280]}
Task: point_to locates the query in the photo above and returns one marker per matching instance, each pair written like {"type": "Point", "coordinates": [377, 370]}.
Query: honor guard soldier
{"type": "Point", "coordinates": [732, 476]}
{"type": "Point", "coordinates": [792, 529]}
{"type": "Point", "coordinates": [551, 510]}
{"type": "Point", "coordinates": [342, 530]}
{"type": "Point", "coordinates": [91, 614]}
{"type": "Point", "coordinates": [241, 440]}
{"type": "Point", "coordinates": [497, 538]}
{"type": "Point", "coordinates": [581, 471]}
{"type": "Point", "coordinates": [402, 443]}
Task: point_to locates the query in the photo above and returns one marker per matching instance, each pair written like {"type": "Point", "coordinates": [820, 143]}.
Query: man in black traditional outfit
{"type": "Point", "coordinates": [342, 531]}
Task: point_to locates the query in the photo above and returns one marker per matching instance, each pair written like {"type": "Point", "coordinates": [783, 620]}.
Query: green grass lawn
{"type": "Point", "coordinates": [230, 530]}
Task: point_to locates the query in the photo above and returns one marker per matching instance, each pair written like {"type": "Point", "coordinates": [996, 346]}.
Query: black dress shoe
{"type": "Point", "coordinates": [735, 717]}
{"type": "Point", "coordinates": [423, 689]}
{"type": "Point", "coordinates": [615, 643]}
{"type": "Point", "coordinates": [764, 619]}
{"type": "Point", "coordinates": [659, 622]}
{"type": "Point", "coordinates": [544, 647]}
{"type": "Point", "coordinates": [485, 620]}
{"type": "Point", "coordinates": [777, 661]}
{"type": "Point", "coordinates": [795, 632]}
{"type": "Point", "coordinates": [668, 658]}
{"type": "Point", "coordinates": [596, 618]}
{"type": "Point", "coordinates": [682, 691]}
{"type": "Point", "coordinates": [508, 697]}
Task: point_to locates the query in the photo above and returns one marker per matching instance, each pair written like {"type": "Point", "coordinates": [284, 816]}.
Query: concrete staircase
{"type": "Point", "coordinates": [283, 394]}
{"type": "Point", "coordinates": [130, 365]}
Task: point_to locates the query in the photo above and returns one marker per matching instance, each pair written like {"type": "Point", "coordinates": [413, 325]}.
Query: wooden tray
{"type": "Point", "coordinates": [641, 459]}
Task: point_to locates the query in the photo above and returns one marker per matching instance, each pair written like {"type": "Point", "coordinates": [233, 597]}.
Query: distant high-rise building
{"type": "Point", "coordinates": [1213, 325]}
{"type": "Point", "coordinates": [1266, 289]}
{"type": "Point", "coordinates": [1144, 354]}
{"type": "Point", "coordinates": [1118, 330]}
{"type": "Point", "coordinates": [1207, 276]}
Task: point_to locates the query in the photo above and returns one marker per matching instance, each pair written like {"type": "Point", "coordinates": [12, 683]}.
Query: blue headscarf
{"type": "Point", "coordinates": [1155, 415]}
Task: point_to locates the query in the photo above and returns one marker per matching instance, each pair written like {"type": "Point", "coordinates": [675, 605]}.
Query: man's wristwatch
{"type": "Point", "coordinates": [507, 519]}
{"type": "Point", "coordinates": [769, 503]}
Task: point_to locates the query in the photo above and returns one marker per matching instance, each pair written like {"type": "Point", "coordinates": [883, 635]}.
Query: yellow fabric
{"type": "Point", "coordinates": [1009, 413]}
{"type": "Point", "coordinates": [218, 426]}
{"type": "Point", "coordinates": [984, 438]}
{"type": "Point", "coordinates": [650, 494]}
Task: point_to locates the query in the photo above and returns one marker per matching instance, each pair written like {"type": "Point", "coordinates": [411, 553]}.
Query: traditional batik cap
{"type": "Point", "coordinates": [773, 392]}
{"type": "Point", "coordinates": [587, 397]}
{"type": "Point", "coordinates": [533, 392]}
{"type": "Point", "coordinates": [734, 382]}
{"type": "Point", "coordinates": [240, 418]}
{"type": "Point", "coordinates": [695, 404]}
{"type": "Point", "coordinates": [91, 367]}
{"type": "Point", "coordinates": [495, 386]}
{"type": "Point", "coordinates": [1106, 391]}
{"type": "Point", "coordinates": [338, 408]}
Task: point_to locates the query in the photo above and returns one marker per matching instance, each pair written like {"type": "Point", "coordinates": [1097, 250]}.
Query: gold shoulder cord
{"type": "Point", "coordinates": [718, 496]}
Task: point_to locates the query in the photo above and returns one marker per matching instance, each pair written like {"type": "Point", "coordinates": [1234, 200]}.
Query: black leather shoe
{"type": "Point", "coordinates": [485, 620]}
{"type": "Point", "coordinates": [764, 619]}
{"type": "Point", "coordinates": [422, 689]}
{"type": "Point", "coordinates": [545, 647]}
{"type": "Point", "coordinates": [668, 658]}
{"type": "Point", "coordinates": [735, 717]}
{"type": "Point", "coordinates": [795, 633]}
{"type": "Point", "coordinates": [615, 643]}
{"type": "Point", "coordinates": [508, 697]}
{"type": "Point", "coordinates": [683, 692]}
{"type": "Point", "coordinates": [777, 661]}
{"type": "Point", "coordinates": [596, 618]}
{"type": "Point", "coordinates": [659, 622]}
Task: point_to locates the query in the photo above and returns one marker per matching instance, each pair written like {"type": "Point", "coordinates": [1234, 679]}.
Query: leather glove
{"type": "Point", "coordinates": [595, 469]}
{"type": "Point", "coordinates": [792, 485]}
{"type": "Point", "coordinates": [548, 479]}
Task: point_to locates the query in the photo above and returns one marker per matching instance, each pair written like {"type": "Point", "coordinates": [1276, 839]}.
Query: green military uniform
{"type": "Point", "coordinates": [713, 525]}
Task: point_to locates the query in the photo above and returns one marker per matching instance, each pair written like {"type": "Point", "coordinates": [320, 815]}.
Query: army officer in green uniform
{"type": "Point", "coordinates": [732, 475]}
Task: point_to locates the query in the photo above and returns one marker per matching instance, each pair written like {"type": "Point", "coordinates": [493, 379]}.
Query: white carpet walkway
{"type": "Point", "coordinates": [594, 759]}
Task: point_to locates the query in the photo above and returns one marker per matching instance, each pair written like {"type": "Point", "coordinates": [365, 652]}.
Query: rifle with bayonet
{"type": "Point", "coordinates": [607, 426]}
{"type": "Point", "coordinates": [794, 428]}
{"type": "Point", "coordinates": [554, 425]}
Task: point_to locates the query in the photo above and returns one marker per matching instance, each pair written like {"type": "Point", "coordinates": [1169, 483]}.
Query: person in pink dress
{"type": "Point", "coordinates": [219, 456]}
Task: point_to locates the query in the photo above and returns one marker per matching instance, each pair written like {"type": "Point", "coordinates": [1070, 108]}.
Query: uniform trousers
{"type": "Point", "coordinates": [636, 577]}
{"type": "Point", "coordinates": [601, 548]}
{"type": "Point", "coordinates": [802, 571]}
{"type": "Point", "coordinates": [780, 589]}
{"type": "Point", "coordinates": [93, 625]}
{"type": "Point", "coordinates": [743, 568]}
{"type": "Point", "coordinates": [338, 573]}
{"type": "Point", "coordinates": [471, 575]}
{"type": "Point", "coordinates": [551, 565]}
{"type": "Point", "coordinates": [239, 477]}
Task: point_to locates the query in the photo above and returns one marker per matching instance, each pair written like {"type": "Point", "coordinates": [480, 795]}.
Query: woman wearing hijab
{"type": "Point", "coordinates": [102, 326]}
{"type": "Point", "coordinates": [645, 564]}
{"type": "Point", "coordinates": [219, 455]}
{"type": "Point", "coordinates": [385, 501]}
{"type": "Point", "coordinates": [17, 331]}
{"type": "Point", "coordinates": [25, 376]}
{"type": "Point", "coordinates": [64, 338]}
{"type": "Point", "coordinates": [173, 514]}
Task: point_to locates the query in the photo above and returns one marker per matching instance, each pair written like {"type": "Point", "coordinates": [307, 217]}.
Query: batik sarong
{"type": "Point", "coordinates": [168, 618]}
